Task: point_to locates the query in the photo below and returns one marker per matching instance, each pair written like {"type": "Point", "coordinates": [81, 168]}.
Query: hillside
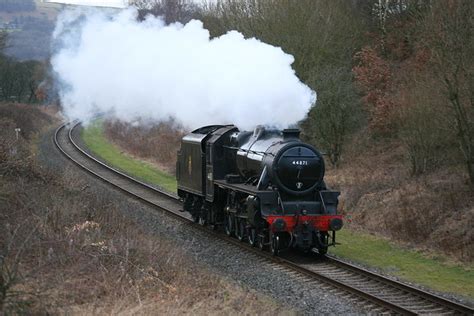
{"type": "Point", "coordinates": [29, 30]}
{"type": "Point", "coordinates": [434, 210]}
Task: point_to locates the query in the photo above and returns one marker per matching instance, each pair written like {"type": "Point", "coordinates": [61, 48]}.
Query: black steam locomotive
{"type": "Point", "coordinates": [264, 186]}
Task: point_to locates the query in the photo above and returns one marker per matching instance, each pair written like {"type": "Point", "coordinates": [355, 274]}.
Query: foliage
{"type": "Point", "coordinates": [317, 33]}
{"type": "Point", "coordinates": [3, 40]}
{"type": "Point", "coordinates": [336, 114]}
{"type": "Point", "coordinates": [424, 133]}
{"type": "Point", "coordinates": [158, 142]}
{"type": "Point", "coordinates": [170, 10]}
{"type": "Point", "coordinates": [373, 76]}
{"type": "Point", "coordinates": [19, 80]}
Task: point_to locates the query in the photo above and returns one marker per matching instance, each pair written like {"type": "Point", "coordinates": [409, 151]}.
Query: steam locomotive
{"type": "Point", "coordinates": [264, 186]}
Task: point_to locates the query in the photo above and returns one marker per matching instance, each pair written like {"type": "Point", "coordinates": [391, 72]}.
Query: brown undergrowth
{"type": "Point", "coordinates": [157, 143]}
{"type": "Point", "coordinates": [434, 210]}
{"type": "Point", "coordinates": [67, 248]}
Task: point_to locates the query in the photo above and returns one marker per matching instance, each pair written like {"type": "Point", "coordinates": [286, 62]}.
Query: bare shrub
{"type": "Point", "coordinates": [158, 142]}
{"type": "Point", "coordinates": [379, 195]}
{"type": "Point", "coordinates": [424, 131]}
{"type": "Point", "coordinates": [29, 118]}
{"type": "Point", "coordinates": [80, 238]}
{"type": "Point", "coordinates": [336, 114]}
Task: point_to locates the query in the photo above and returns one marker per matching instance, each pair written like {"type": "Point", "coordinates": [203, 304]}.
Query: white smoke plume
{"type": "Point", "coordinates": [110, 62]}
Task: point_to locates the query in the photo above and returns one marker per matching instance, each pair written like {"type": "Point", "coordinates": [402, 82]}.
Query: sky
{"type": "Point", "coordinates": [101, 3]}
{"type": "Point", "coordinates": [97, 3]}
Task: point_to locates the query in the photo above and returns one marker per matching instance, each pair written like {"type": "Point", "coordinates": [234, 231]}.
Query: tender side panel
{"type": "Point", "coordinates": [191, 166]}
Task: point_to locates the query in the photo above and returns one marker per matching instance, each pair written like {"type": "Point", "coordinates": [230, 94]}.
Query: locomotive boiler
{"type": "Point", "coordinates": [265, 186]}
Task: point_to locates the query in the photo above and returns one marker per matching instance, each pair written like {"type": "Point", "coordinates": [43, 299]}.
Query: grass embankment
{"type": "Point", "coordinates": [369, 250]}
{"type": "Point", "coordinates": [434, 272]}
{"type": "Point", "coordinates": [95, 140]}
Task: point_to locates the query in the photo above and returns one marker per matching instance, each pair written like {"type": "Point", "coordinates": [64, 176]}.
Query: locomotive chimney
{"type": "Point", "coordinates": [291, 133]}
{"type": "Point", "coordinates": [258, 131]}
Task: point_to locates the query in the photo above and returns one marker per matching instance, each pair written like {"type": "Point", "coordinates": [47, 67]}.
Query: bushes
{"type": "Point", "coordinates": [20, 81]}
{"type": "Point", "coordinates": [15, 156]}
{"type": "Point", "coordinates": [424, 131]}
{"type": "Point", "coordinates": [30, 119]}
{"type": "Point", "coordinates": [159, 142]}
{"type": "Point", "coordinates": [430, 211]}
{"type": "Point", "coordinates": [336, 115]}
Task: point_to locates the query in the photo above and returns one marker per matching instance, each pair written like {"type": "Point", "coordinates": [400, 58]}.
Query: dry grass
{"type": "Point", "coordinates": [433, 210]}
{"type": "Point", "coordinates": [67, 248]}
{"type": "Point", "coordinates": [31, 119]}
{"type": "Point", "coordinates": [156, 142]}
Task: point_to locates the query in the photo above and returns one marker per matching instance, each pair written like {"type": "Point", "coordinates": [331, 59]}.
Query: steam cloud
{"type": "Point", "coordinates": [111, 63]}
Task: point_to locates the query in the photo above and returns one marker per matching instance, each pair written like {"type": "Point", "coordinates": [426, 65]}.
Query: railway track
{"type": "Point", "coordinates": [371, 291]}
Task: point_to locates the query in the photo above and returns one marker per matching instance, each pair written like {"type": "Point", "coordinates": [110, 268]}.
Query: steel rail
{"type": "Point", "coordinates": [436, 299]}
{"type": "Point", "coordinates": [447, 305]}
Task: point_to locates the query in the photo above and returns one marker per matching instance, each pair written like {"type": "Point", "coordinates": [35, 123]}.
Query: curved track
{"type": "Point", "coordinates": [372, 291]}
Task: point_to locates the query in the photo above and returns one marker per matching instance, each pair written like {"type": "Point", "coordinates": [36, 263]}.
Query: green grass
{"type": "Point", "coordinates": [93, 136]}
{"type": "Point", "coordinates": [413, 266]}
{"type": "Point", "coordinates": [366, 249]}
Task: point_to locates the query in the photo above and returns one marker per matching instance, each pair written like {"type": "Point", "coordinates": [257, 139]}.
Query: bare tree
{"type": "Point", "coordinates": [315, 32]}
{"type": "Point", "coordinates": [335, 115]}
{"type": "Point", "coordinates": [3, 40]}
{"type": "Point", "coordinates": [449, 36]}
{"type": "Point", "coordinates": [170, 10]}
{"type": "Point", "coordinates": [19, 80]}
{"type": "Point", "coordinates": [7, 71]}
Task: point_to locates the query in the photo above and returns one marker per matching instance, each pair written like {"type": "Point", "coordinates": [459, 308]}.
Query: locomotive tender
{"type": "Point", "coordinates": [264, 186]}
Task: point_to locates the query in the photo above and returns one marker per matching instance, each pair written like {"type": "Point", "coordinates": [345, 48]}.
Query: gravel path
{"type": "Point", "coordinates": [218, 257]}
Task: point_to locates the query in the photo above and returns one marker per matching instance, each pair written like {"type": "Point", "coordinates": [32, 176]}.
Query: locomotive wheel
{"type": "Point", "coordinates": [252, 237]}
{"type": "Point", "coordinates": [202, 221]}
{"type": "Point", "coordinates": [213, 226]}
{"type": "Point", "coordinates": [240, 229]}
{"type": "Point", "coordinates": [323, 251]}
{"type": "Point", "coordinates": [323, 240]}
{"type": "Point", "coordinates": [275, 245]}
{"type": "Point", "coordinates": [261, 242]}
{"type": "Point", "coordinates": [228, 225]}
